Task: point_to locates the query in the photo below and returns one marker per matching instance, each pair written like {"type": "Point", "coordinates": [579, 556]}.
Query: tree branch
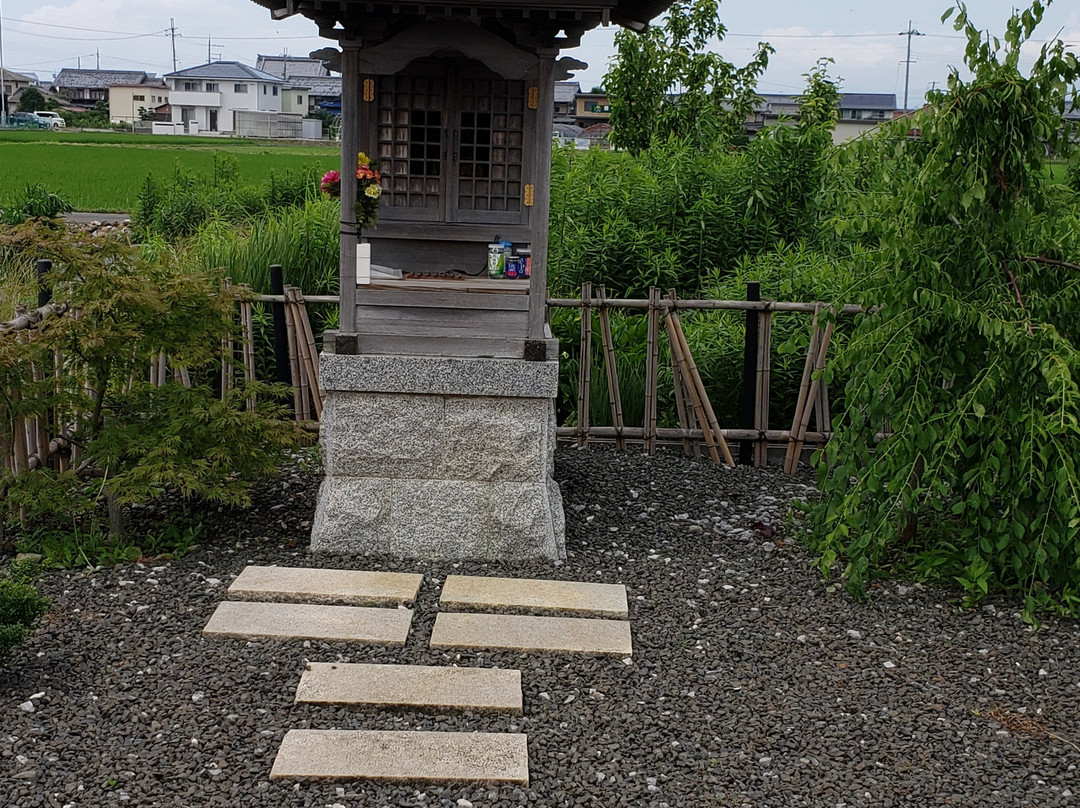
{"type": "Point", "coordinates": [1037, 259]}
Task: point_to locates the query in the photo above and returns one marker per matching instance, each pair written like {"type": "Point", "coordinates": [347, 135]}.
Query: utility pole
{"type": "Point", "coordinates": [3, 89]}
{"type": "Point", "coordinates": [909, 33]}
{"type": "Point", "coordinates": [97, 58]}
{"type": "Point", "coordinates": [172, 35]}
{"type": "Point", "coordinates": [210, 58]}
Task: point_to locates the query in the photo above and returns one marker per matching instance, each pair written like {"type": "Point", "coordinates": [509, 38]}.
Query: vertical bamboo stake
{"type": "Point", "coordinates": [680, 400]}
{"type": "Point", "coordinates": [614, 398]}
{"type": "Point", "coordinates": [682, 374]}
{"type": "Point", "coordinates": [41, 421]}
{"type": "Point", "coordinates": [795, 443]}
{"type": "Point", "coordinates": [58, 382]}
{"type": "Point", "coordinates": [313, 355]}
{"type": "Point", "coordinates": [294, 364]}
{"type": "Point", "coordinates": [162, 368]}
{"type": "Point", "coordinates": [652, 369]}
{"type": "Point", "coordinates": [762, 387]}
{"type": "Point", "coordinates": [585, 364]}
{"type": "Point", "coordinates": [247, 321]}
{"type": "Point", "coordinates": [790, 459]}
{"type": "Point", "coordinates": [185, 378]}
{"type": "Point", "coordinates": [226, 351]}
{"type": "Point", "coordinates": [306, 358]}
{"type": "Point", "coordinates": [709, 421]}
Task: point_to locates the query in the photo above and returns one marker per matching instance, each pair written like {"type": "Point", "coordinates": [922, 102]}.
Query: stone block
{"type": "Point", "coordinates": [411, 686]}
{"type": "Point", "coordinates": [301, 621]}
{"type": "Point", "coordinates": [475, 593]}
{"type": "Point", "coordinates": [494, 439]}
{"type": "Point", "coordinates": [402, 757]}
{"type": "Point", "coordinates": [440, 375]}
{"type": "Point", "coordinates": [314, 585]}
{"type": "Point", "coordinates": [383, 435]}
{"type": "Point", "coordinates": [518, 633]}
{"type": "Point", "coordinates": [352, 515]}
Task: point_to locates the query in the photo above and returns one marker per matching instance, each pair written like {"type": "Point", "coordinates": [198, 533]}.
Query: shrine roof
{"type": "Point", "coordinates": [634, 14]}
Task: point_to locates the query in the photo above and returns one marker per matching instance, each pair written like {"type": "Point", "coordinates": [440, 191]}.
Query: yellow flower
{"type": "Point", "coordinates": [362, 159]}
{"type": "Point", "coordinates": [374, 191]}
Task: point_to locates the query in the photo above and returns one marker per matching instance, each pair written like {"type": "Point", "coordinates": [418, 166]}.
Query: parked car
{"type": "Point", "coordinates": [27, 120]}
{"type": "Point", "coordinates": [52, 118]}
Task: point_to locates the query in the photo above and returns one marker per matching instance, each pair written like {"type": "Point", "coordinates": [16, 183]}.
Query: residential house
{"type": "Point", "coordinates": [565, 93]}
{"type": "Point", "coordinates": [591, 108]}
{"type": "Point", "coordinates": [207, 97]}
{"type": "Point", "coordinates": [12, 84]}
{"type": "Point", "coordinates": [85, 88]}
{"type": "Point", "coordinates": [858, 113]}
{"type": "Point", "coordinates": [323, 90]}
{"type": "Point", "coordinates": [128, 103]}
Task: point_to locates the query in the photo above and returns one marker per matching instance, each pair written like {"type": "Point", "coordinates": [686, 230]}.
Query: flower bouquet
{"type": "Point", "coordinates": [368, 190]}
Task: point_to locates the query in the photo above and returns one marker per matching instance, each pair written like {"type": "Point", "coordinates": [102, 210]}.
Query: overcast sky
{"type": "Point", "coordinates": [863, 37]}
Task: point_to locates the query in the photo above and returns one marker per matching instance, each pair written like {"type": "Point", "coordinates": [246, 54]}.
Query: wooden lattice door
{"type": "Point", "coordinates": [452, 140]}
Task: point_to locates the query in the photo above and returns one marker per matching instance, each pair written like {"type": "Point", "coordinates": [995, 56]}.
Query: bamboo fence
{"type": "Point", "coordinates": [697, 420]}
{"type": "Point", "coordinates": [28, 443]}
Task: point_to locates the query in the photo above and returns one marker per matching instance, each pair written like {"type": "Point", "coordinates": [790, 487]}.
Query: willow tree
{"type": "Point", "coordinates": [665, 81]}
{"type": "Point", "coordinates": [970, 365]}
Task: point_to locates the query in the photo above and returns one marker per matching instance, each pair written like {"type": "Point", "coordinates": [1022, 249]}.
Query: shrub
{"type": "Point", "coordinates": [36, 202]}
{"type": "Point", "coordinates": [973, 359]}
{"type": "Point", "coordinates": [20, 606]}
{"type": "Point", "coordinates": [138, 440]}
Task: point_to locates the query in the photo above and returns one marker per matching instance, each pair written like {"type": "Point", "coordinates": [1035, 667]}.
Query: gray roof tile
{"type": "Point", "coordinates": [224, 70]}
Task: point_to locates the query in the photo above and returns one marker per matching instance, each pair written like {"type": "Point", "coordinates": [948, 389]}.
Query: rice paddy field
{"type": "Point", "coordinates": [102, 171]}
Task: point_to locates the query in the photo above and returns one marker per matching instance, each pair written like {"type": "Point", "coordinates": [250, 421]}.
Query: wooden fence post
{"type": "Point", "coordinates": [762, 388]}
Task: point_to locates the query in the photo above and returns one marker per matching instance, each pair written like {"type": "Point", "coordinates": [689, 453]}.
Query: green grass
{"type": "Point", "coordinates": [103, 171]}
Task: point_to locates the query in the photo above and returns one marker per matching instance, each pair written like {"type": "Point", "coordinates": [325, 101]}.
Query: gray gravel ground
{"type": "Point", "coordinates": [752, 684]}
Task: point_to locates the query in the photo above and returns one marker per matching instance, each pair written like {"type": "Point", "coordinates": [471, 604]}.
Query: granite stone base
{"type": "Point", "coordinates": [429, 457]}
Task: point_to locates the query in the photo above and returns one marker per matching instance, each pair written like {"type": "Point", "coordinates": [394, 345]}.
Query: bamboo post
{"type": "Point", "coordinates": [790, 459]}
{"type": "Point", "coordinates": [309, 336]}
{"type": "Point", "coordinates": [681, 373]}
{"type": "Point", "coordinates": [226, 352]}
{"type": "Point", "coordinates": [763, 373]}
{"type": "Point", "coordinates": [614, 398]}
{"type": "Point", "coordinates": [652, 369]}
{"type": "Point", "coordinates": [748, 394]}
{"type": "Point", "coordinates": [706, 415]}
{"type": "Point", "coordinates": [305, 356]}
{"type": "Point", "coordinates": [585, 364]}
{"type": "Point", "coordinates": [247, 322]}
{"type": "Point", "coordinates": [680, 399]}
{"type": "Point", "coordinates": [298, 384]}
{"type": "Point", "coordinates": [58, 424]}
{"type": "Point", "coordinates": [162, 368]}
{"type": "Point", "coordinates": [795, 444]}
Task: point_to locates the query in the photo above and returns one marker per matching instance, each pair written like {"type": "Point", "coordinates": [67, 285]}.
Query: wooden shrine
{"type": "Point", "coordinates": [438, 431]}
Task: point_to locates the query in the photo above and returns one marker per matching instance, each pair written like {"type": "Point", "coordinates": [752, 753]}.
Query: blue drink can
{"type": "Point", "coordinates": [514, 268]}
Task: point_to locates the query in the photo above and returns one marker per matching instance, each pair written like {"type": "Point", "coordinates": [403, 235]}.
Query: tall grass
{"type": "Point", "coordinates": [304, 240]}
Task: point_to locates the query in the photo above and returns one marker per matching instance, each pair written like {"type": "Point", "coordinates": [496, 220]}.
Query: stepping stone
{"type": "Point", "coordinates": [572, 597]}
{"type": "Point", "coordinates": [308, 585]}
{"type": "Point", "coordinates": [480, 689]}
{"type": "Point", "coordinates": [517, 633]}
{"type": "Point", "coordinates": [404, 757]}
{"type": "Point", "coordinates": [302, 621]}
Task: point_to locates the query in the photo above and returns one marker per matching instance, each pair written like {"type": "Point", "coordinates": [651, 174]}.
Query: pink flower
{"type": "Point", "coordinates": [331, 183]}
